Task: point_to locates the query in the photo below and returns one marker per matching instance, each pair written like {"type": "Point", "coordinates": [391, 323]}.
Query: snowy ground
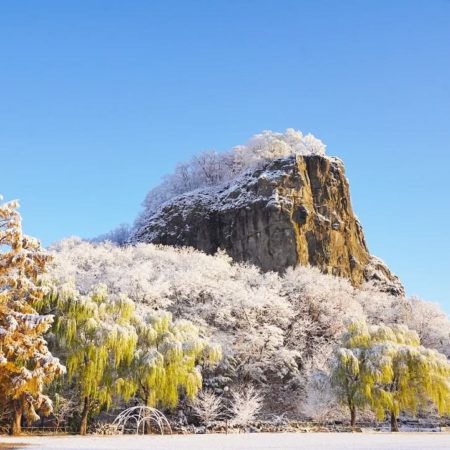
{"type": "Point", "coordinates": [263, 441]}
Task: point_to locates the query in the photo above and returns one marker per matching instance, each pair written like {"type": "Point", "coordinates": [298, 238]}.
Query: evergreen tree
{"type": "Point", "coordinates": [26, 364]}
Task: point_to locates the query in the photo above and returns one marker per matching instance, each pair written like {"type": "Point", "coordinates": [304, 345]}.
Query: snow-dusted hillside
{"type": "Point", "coordinates": [276, 331]}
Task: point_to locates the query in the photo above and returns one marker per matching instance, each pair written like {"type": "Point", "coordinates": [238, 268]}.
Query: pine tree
{"type": "Point", "coordinates": [26, 364]}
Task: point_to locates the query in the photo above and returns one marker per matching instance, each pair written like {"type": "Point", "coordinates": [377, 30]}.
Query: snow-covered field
{"type": "Point", "coordinates": [263, 441]}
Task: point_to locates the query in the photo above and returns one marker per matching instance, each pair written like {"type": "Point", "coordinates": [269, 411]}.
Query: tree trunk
{"type": "Point", "coordinates": [353, 417]}
{"type": "Point", "coordinates": [16, 426]}
{"type": "Point", "coordinates": [146, 429]}
{"type": "Point", "coordinates": [394, 423]}
{"type": "Point", "coordinates": [84, 417]}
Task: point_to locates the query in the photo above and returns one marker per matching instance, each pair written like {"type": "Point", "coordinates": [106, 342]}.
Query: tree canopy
{"type": "Point", "coordinates": [387, 369]}
{"type": "Point", "coordinates": [167, 358]}
{"type": "Point", "coordinates": [26, 364]}
{"type": "Point", "coordinates": [114, 353]}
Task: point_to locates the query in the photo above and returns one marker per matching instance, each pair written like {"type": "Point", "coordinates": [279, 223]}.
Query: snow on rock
{"type": "Point", "coordinates": [213, 168]}
{"type": "Point", "coordinates": [294, 210]}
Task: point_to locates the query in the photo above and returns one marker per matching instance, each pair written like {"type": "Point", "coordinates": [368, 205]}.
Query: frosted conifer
{"type": "Point", "coordinates": [26, 364]}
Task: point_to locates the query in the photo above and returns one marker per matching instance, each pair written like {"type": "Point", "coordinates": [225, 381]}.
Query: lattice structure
{"type": "Point", "coordinates": [138, 418]}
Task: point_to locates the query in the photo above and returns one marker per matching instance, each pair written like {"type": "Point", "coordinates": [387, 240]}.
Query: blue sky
{"type": "Point", "coordinates": [98, 99]}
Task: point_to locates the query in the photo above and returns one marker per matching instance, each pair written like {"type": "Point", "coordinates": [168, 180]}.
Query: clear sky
{"type": "Point", "coordinates": [98, 99]}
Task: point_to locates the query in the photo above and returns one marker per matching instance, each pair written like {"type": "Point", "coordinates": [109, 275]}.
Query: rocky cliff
{"type": "Point", "coordinates": [295, 210]}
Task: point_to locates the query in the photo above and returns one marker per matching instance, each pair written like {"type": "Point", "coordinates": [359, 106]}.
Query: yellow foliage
{"type": "Point", "coordinates": [112, 352]}
{"type": "Point", "coordinates": [167, 359]}
{"type": "Point", "coordinates": [387, 369]}
{"type": "Point", "coordinates": [98, 337]}
{"type": "Point", "coordinates": [26, 365]}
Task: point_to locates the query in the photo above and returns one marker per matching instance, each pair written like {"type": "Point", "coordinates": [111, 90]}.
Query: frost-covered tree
{"type": "Point", "coordinates": [406, 375]}
{"type": "Point", "coordinates": [246, 403]}
{"type": "Point", "coordinates": [168, 359]}
{"type": "Point", "coordinates": [213, 168]}
{"type": "Point", "coordinates": [428, 319]}
{"type": "Point", "coordinates": [387, 368]}
{"type": "Point", "coordinates": [26, 364]}
{"type": "Point", "coordinates": [269, 145]}
{"type": "Point", "coordinates": [431, 323]}
{"type": "Point", "coordinates": [119, 235]}
{"type": "Point", "coordinates": [323, 305]}
{"type": "Point", "coordinates": [321, 403]}
{"type": "Point", "coordinates": [97, 336]}
{"type": "Point", "coordinates": [207, 406]}
{"type": "Point", "coordinates": [349, 371]}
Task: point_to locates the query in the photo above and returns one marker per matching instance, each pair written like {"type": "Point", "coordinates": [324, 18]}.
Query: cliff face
{"type": "Point", "coordinates": [295, 210]}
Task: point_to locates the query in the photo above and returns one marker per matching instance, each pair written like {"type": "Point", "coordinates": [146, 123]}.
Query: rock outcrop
{"type": "Point", "coordinates": [295, 210]}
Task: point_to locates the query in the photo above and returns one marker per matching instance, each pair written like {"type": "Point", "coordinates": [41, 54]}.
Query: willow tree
{"type": "Point", "coordinates": [99, 339]}
{"type": "Point", "coordinates": [406, 376]}
{"type": "Point", "coordinates": [387, 369]}
{"type": "Point", "coordinates": [167, 359]}
{"type": "Point", "coordinates": [26, 364]}
{"type": "Point", "coordinates": [348, 373]}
